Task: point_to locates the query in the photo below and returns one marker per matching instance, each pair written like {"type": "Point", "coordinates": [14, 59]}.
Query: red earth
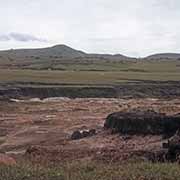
{"type": "Point", "coordinates": [44, 128]}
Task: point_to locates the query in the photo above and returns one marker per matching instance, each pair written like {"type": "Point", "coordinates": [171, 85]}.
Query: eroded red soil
{"type": "Point", "coordinates": [47, 126]}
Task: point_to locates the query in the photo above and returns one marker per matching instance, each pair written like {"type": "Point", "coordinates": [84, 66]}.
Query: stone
{"type": "Point", "coordinates": [92, 132]}
{"type": "Point", "coordinates": [76, 135]}
{"type": "Point", "coordinates": [85, 134]}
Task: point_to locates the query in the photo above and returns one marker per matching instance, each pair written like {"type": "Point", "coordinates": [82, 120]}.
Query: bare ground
{"type": "Point", "coordinates": [44, 127]}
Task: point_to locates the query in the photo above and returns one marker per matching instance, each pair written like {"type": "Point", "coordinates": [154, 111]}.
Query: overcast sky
{"type": "Point", "coordinates": [130, 27]}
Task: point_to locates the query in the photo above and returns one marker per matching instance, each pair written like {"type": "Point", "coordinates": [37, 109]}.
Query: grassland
{"type": "Point", "coordinates": [93, 171]}
{"type": "Point", "coordinates": [107, 74]}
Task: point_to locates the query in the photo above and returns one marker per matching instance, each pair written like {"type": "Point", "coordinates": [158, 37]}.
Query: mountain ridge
{"type": "Point", "coordinates": [60, 48]}
{"type": "Point", "coordinates": [164, 55]}
{"type": "Point", "coordinates": [66, 51]}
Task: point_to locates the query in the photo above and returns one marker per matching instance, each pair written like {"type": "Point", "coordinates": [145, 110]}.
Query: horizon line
{"type": "Point", "coordinates": [89, 53]}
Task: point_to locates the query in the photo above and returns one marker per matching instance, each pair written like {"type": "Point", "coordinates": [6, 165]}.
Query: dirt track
{"type": "Point", "coordinates": [47, 126]}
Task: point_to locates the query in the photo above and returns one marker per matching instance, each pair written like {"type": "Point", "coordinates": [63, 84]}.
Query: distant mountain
{"type": "Point", "coordinates": [109, 56]}
{"type": "Point", "coordinates": [63, 51]}
{"type": "Point", "coordinates": [62, 57]}
{"type": "Point", "coordinates": [58, 50]}
{"type": "Point", "coordinates": [164, 56]}
{"type": "Point", "coordinates": [57, 57]}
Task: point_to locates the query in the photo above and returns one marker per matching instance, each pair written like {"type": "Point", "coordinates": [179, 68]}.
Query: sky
{"type": "Point", "coordinates": [130, 27]}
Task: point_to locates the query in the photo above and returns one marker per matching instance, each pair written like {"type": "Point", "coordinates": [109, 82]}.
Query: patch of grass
{"type": "Point", "coordinates": [93, 72]}
{"type": "Point", "coordinates": [83, 77]}
{"type": "Point", "coordinates": [93, 171]}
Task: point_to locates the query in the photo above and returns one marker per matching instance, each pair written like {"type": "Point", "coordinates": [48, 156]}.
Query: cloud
{"type": "Point", "coordinates": [138, 27]}
{"type": "Point", "coordinates": [21, 37]}
{"type": "Point", "coordinates": [4, 38]}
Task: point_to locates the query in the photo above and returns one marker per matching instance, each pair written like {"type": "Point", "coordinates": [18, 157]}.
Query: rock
{"type": "Point", "coordinates": [92, 132]}
{"type": "Point", "coordinates": [173, 147]}
{"type": "Point", "coordinates": [6, 160]}
{"type": "Point", "coordinates": [174, 140]}
{"type": "Point", "coordinates": [142, 122]}
{"type": "Point", "coordinates": [76, 135]}
{"type": "Point", "coordinates": [85, 134]}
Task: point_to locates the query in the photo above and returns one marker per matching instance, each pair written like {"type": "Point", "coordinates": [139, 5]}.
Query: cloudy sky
{"type": "Point", "coordinates": [130, 27]}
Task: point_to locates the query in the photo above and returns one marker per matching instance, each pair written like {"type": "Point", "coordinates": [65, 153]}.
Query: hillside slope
{"type": "Point", "coordinates": [62, 57]}
{"type": "Point", "coordinates": [164, 56]}
{"type": "Point", "coordinates": [58, 50]}
{"type": "Point", "coordinates": [59, 57]}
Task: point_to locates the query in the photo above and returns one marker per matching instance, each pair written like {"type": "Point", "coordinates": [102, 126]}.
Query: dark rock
{"type": "Point", "coordinates": [174, 140]}
{"type": "Point", "coordinates": [143, 122]}
{"type": "Point", "coordinates": [76, 135]}
{"type": "Point", "coordinates": [173, 146]}
{"type": "Point", "coordinates": [92, 132]}
{"type": "Point", "coordinates": [85, 134]}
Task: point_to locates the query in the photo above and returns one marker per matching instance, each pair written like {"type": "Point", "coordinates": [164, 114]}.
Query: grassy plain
{"type": "Point", "coordinates": [99, 73]}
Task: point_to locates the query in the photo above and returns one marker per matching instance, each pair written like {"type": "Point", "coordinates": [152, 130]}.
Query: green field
{"type": "Point", "coordinates": [96, 73]}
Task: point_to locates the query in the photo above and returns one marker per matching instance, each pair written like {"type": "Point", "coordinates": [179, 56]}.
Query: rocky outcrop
{"type": "Point", "coordinates": [142, 122]}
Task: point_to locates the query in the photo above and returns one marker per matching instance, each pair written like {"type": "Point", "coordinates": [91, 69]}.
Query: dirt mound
{"type": "Point", "coordinates": [143, 122]}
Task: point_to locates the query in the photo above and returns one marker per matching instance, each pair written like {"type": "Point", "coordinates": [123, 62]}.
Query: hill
{"type": "Point", "coordinates": [164, 56]}
{"type": "Point", "coordinates": [64, 58]}
{"type": "Point", "coordinates": [59, 57]}
{"type": "Point", "coordinates": [58, 50]}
